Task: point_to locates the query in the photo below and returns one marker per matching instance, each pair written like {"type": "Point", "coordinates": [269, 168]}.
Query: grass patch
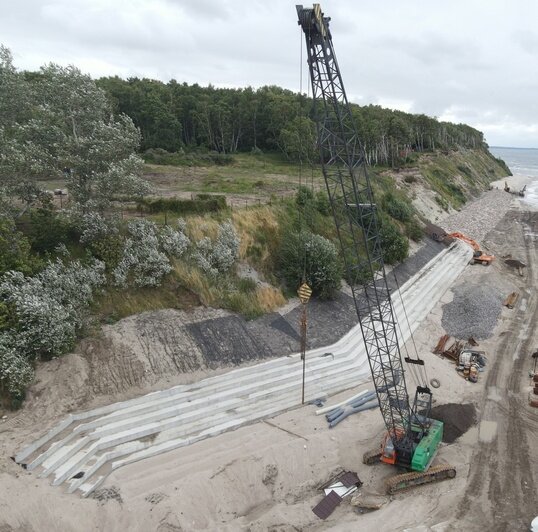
{"type": "Point", "coordinates": [116, 304]}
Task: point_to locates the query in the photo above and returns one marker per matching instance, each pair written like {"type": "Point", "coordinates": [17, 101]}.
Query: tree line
{"type": "Point", "coordinates": [174, 116]}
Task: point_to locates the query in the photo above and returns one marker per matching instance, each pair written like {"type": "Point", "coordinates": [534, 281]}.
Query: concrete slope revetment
{"type": "Point", "coordinates": [84, 448]}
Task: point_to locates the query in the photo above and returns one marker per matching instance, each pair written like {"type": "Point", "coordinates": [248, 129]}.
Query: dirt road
{"type": "Point", "coordinates": [501, 494]}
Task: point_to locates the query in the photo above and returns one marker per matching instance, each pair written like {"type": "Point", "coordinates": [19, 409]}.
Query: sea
{"type": "Point", "coordinates": [522, 162]}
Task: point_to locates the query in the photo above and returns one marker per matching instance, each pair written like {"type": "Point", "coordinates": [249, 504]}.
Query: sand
{"type": "Point", "coordinates": [265, 476]}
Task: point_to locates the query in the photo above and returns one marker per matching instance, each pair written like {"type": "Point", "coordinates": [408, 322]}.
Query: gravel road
{"type": "Point", "coordinates": [480, 216]}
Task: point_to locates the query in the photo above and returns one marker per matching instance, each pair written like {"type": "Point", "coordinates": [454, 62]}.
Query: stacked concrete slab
{"type": "Point", "coordinates": [84, 448]}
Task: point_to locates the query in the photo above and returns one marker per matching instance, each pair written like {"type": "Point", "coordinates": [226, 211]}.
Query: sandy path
{"type": "Point", "coordinates": [502, 488]}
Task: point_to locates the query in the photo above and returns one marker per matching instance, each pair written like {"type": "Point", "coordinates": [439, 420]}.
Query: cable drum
{"type": "Point", "coordinates": [435, 383]}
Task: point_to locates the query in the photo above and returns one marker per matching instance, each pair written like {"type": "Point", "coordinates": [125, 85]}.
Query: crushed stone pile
{"type": "Point", "coordinates": [457, 418]}
{"type": "Point", "coordinates": [479, 217]}
{"type": "Point", "coordinates": [473, 312]}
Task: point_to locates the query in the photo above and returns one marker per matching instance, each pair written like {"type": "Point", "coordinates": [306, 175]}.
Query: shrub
{"type": "Point", "coordinates": [395, 246]}
{"type": "Point", "coordinates": [216, 257]}
{"type": "Point", "coordinates": [107, 248]}
{"type": "Point", "coordinates": [14, 248]}
{"type": "Point", "coordinates": [16, 372]}
{"type": "Point", "coordinates": [304, 196]}
{"type": "Point", "coordinates": [142, 262]}
{"type": "Point", "coordinates": [47, 310]}
{"type": "Point", "coordinates": [396, 207]}
{"type": "Point", "coordinates": [413, 230]}
{"type": "Point", "coordinates": [48, 228]}
{"type": "Point", "coordinates": [93, 225]}
{"type": "Point", "coordinates": [173, 242]}
{"type": "Point", "coordinates": [201, 204]}
{"type": "Point", "coordinates": [323, 205]}
{"type": "Point", "coordinates": [312, 257]}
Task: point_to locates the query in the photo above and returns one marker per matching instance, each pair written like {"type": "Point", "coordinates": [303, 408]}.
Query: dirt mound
{"type": "Point", "coordinates": [458, 419]}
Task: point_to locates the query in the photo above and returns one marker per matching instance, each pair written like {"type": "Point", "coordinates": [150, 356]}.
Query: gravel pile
{"type": "Point", "coordinates": [473, 312]}
{"type": "Point", "coordinates": [479, 217]}
{"type": "Point", "coordinates": [457, 418]}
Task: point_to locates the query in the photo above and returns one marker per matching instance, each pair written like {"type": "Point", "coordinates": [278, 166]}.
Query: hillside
{"type": "Point", "coordinates": [232, 217]}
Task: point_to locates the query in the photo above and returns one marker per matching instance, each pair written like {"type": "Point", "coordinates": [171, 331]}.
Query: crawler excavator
{"type": "Point", "coordinates": [412, 438]}
{"type": "Point", "coordinates": [479, 257]}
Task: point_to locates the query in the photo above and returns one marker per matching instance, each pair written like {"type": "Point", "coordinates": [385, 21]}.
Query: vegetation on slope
{"type": "Point", "coordinates": [63, 264]}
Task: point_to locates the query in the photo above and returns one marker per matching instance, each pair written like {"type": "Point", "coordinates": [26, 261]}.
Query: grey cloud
{"type": "Point", "coordinates": [453, 59]}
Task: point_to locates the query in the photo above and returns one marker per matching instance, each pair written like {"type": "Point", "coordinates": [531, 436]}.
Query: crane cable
{"type": "Point", "coordinates": [422, 368]}
{"type": "Point", "coordinates": [302, 207]}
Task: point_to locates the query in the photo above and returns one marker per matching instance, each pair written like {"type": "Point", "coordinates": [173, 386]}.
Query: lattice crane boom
{"type": "Point", "coordinates": [357, 223]}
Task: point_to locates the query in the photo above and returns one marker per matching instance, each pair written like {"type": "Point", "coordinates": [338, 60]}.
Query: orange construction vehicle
{"type": "Point", "coordinates": [439, 234]}
{"type": "Point", "coordinates": [479, 257]}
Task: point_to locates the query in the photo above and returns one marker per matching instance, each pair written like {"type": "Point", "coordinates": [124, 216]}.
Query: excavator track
{"type": "Point", "coordinates": [406, 481]}
{"type": "Point", "coordinates": [372, 457]}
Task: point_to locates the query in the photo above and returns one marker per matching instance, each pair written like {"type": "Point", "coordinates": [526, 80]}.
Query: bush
{"type": "Point", "coordinates": [394, 245]}
{"type": "Point", "coordinates": [16, 372]}
{"type": "Point", "coordinates": [142, 262]}
{"type": "Point", "coordinates": [14, 249]}
{"type": "Point", "coordinates": [173, 242]}
{"type": "Point", "coordinates": [48, 228]}
{"type": "Point", "coordinates": [397, 207]}
{"type": "Point", "coordinates": [216, 257]}
{"type": "Point", "coordinates": [201, 204]}
{"type": "Point", "coordinates": [180, 158]}
{"type": "Point", "coordinates": [323, 205]}
{"type": "Point", "coordinates": [414, 231]}
{"type": "Point", "coordinates": [312, 257]}
{"type": "Point", "coordinates": [107, 248]}
{"type": "Point", "coordinates": [304, 196]}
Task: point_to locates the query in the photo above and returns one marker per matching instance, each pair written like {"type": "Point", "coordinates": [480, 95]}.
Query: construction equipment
{"type": "Point", "coordinates": [479, 257]}
{"type": "Point", "coordinates": [412, 437]}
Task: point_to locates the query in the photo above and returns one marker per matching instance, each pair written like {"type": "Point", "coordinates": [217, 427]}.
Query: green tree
{"type": "Point", "coordinates": [305, 256]}
{"type": "Point", "coordinates": [65, 127]}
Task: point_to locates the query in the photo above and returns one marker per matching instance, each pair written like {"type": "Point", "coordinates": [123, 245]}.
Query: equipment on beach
{"type": "Point", "coordinates": [412, 437]}
{"type": "Point", "coordinates": [479, 257]}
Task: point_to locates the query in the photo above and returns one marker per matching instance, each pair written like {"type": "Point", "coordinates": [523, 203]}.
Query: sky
{"type": "Point", "coordinates": [470, 61]}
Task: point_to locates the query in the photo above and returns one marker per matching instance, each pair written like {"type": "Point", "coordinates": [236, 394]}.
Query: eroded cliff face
{"type": "Point", "coordinates": [442, 182]}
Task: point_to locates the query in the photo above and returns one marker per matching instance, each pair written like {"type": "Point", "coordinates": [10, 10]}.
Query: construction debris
{"type": "Point", "coordinates": [440, 347]}
{"type": "Point", "coordinates": [469, 362]}
{"type": "Point", "coordinates": [368, 501]}
{"type": "Point", "coordinates": [511, 300]}
{"type": "Point", "coordinates": [342, 485]}
{"type": "Point", "coordinates": [327, 505]}
{"type": "Point", "coordinates": [514, 263]}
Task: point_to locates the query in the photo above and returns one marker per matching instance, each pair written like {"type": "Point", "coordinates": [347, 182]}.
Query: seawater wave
{"type": "Point", "coordinates": [522, 161]}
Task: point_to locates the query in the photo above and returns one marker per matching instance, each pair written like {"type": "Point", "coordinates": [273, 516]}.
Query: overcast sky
{"type": "Point", "coordinates": [472, 61]}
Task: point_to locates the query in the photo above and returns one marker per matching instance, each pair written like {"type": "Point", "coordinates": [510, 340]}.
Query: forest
{"type": "Point", "coordinates": [176, 116]}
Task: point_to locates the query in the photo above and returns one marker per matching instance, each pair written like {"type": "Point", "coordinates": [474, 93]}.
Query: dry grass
{"type": "Point", "coordinates": [269, 298]}
{"type": "Point", "coordinates": [250, 222]}
{"type": "Point", "coordinates": [197, 282]}
{"type": "Point", "coordinates": [115, 304]}
{"type": "Point", "coordinates": [199, 227]}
